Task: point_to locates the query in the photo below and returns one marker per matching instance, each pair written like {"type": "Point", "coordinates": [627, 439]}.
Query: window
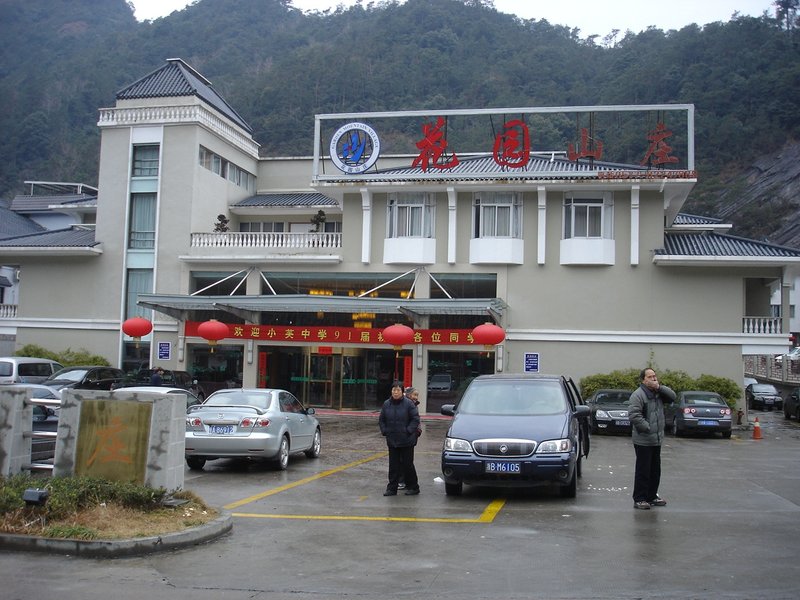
{"type": "Point", "coordinates": [497, 214]}
{"type": "Point", "coordinates": [258, 226]}
{"type": "Point", "coordinates": [586, 217]}
{"type": "Point", "coordinates": [233, 173]}
{"type": "Point", "coordinates": [143, 221]}
{"type": "Point", "coordinates": [410, 215]}
{"type": "Point", "coordinates": [139, 281]}
{"type": "Point", "coordinates": [145, 161]}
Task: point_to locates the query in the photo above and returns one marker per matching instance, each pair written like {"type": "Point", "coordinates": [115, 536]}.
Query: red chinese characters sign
{"type": "Point", "coordinates": [336, 335]}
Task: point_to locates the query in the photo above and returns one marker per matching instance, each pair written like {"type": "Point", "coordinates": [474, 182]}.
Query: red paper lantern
{"type": "Point", "coordinates": [212, 331]}
{"type": "Point", "coordinates": [137, 328]}
{"type": "Point", "coordinates": [398, 335]}
{"type": "Point", "coordinates": [489, 335]}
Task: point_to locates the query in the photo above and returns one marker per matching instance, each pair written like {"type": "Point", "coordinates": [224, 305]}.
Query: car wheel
{"type": "Point", "coordinates": [282, 460]}
{"type": "Point", "coordinates": [726, 435]}
{"type": "Point", "coordinates": [196, 463]}
{"type": "Point", "coordinates": [453, 489]}
{"type": "Point", "coordinates": [570, 490]}
{"type": "Point", "coordinates": [313, 452]}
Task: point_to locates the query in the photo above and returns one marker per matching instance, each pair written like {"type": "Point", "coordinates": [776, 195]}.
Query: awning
{"type": "Point", "coordinates": [250, 307]}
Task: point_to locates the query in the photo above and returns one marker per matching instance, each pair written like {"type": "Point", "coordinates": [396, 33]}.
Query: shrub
{"type": "Point", "coordinates": [68, 357]}
{"type": "Point", "coordinates": [679, 381]}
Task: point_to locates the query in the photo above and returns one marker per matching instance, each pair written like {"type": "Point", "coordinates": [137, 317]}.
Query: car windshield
{"type": "Point", "coordinates": [513, 398]}
{"type": "Point", "coordinates": [704, 399]}
{"type": "Point", "coordinates": [70, 374]}
{"type": "Point", "coordinates": [765, 388]}
{"type": "Point", "coordinates": [261, 400]}
{"type": "Point", "coordinates": [612, 397]}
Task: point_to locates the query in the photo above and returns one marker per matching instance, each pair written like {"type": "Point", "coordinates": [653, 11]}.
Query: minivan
{"type": "Point", "coordinates": [22, 369]}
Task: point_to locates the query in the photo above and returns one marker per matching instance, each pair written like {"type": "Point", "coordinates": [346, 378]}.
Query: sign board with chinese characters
{"type": "Point", "coordinates": [530, 362]}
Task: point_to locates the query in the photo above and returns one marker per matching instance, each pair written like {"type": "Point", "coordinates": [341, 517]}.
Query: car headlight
{"type": "Point", "coordinates": [601, 414]}
{"type": "Point", "coordinates": [457, 445]}
{"type": "Point", "coordinates": [554, 446]}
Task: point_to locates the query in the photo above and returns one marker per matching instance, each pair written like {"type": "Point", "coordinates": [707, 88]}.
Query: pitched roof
{"type": "Point", "coordinates": [177, 79]}
{"type": "Point", "coordinates": [70, 237]}
{"type": "Point", "coordinates": [27, 204]}
{"type": "Point", "coordinates": [13, 224]}
{"type": "Point", "coordinates": [290, 199]}
{"type": "Point", "coordinates": [687, 219]}
{"type": "Point", "coordinates": [712, 244]}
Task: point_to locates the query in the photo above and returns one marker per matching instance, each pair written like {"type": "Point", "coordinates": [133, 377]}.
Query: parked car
{"type": "Point", "coordinates": [266, 424]}
{"type": "Point", "coordinates": [791, 356]}
{"type": "Point", "coordinates": [516, 431]}
{"type": "Point", "coordinates": [610, 411]}
{"type": "Point", "coordinates": [85, 378]}
{"type": "Point", "coordinates": [170, 378]}
{"type": "Point", "coordinates": [440, 384]}
{"type": "Point", "coordinates": [791, 404]}
{"type": "Point", "coordinates": [23, 369]}
{"type": "Point", "coordinates": [698, 411]}
{"type": "Point", "coordinates": [762, 395]}
{"type": "Point", "coordinates": [191, 399]}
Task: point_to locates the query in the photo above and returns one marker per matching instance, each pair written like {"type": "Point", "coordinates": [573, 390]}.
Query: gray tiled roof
{"type": "Point", "coordinates": [687, 219]}
{"type": "Point", "coordinates": [71, 237]}
{"type": "Point", "coordinates": [34, 204]}
{"type": "Point", "coordinates": [539, 166]}
{"type": "Point", "coordinates": [292, 199]}
{"type": "Point", "coordinates": [709, 243]}
{"type": "Point", "coordinates": [177, 79]}
{"type": "Point", "coordinates": [13, 224]}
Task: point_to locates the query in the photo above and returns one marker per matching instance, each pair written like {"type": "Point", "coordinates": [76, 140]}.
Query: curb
{"type": "Point", "coordinates": [125, 547]}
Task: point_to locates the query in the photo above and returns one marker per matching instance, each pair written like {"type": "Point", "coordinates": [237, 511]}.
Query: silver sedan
{"type": "Point", "coordinates": [267, 424]}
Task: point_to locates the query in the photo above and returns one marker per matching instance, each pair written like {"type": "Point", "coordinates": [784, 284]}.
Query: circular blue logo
{"type": "Point", "coordinates": [355, 148]}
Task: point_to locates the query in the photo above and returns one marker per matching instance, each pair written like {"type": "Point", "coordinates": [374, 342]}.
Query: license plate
{"type": "Point", "coordinates": [622, 423]}
{"type": "Point", "coordinates": [220, 429]}
{"type": "Point", "coordinates": [769, 400]}
{"type": "Point", "coordinates": [707, 422]}
{"type": "Point", "coordinates": [502, 467]}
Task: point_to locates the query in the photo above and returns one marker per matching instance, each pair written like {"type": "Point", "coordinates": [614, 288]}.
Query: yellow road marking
{"type": "Point", "coordinates": [289, 486]}
{"type": "Point", "coordinates": [487, 516]}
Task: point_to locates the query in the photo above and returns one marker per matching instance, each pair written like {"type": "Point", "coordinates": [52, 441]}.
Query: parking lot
{"type": "Point", "coordinates": [322, 529]}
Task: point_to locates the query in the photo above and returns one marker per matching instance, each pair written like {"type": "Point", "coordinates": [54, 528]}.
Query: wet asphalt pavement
{"type": "Point", "coordinates": [323, 530]}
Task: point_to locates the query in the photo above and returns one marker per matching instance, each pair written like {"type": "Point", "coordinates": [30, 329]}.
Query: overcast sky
{"type": "Point", "coordinates": [592, 17]}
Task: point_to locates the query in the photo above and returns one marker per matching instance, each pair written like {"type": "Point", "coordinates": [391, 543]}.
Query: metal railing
{"type": "Point", "coordinates": [308, 240]}
{"type": "Point", "coordinates": [35, 465]}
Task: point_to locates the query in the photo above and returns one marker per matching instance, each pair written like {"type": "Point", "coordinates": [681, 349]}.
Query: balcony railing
{"type": "Point", "coordinates": [761, 325]}
{"type": "Point", "coordinates": [267, 240]}
{"type": "Point", "coordinates": [8, 311]}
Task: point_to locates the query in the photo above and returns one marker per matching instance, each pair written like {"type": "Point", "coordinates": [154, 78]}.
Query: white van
{"type": "Point", "coordinates": [21, 369]}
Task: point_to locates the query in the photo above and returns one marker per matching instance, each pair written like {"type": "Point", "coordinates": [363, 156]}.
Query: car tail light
{"type": "Point", "coordinates": [258, 422]}
{"type": "Point", "coordinates": [724, 411]}
{"type": "Point", "coordinates": [689, 411]}
{"type": "Point", "coordinates": [193, 422]}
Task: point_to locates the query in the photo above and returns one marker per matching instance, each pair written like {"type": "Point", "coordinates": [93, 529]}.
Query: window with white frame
{"type": "Point", "coordinates": [410, 215]}
{"type": "Point", "coordinates": [145, 161]}
{"type": "Point", "coordinates": [497, 214]}
{"type": "Point", "coordinates": [588, 216]}
{"type": "Point", "coordinates": [142, 229]}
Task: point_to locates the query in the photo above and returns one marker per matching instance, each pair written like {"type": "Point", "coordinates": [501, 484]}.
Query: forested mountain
{"type": "Point", "coordinates": [62, 60]}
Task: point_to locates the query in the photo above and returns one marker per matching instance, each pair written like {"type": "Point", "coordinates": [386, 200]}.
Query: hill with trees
{"type": "Point", "coordinates": [279, 67]}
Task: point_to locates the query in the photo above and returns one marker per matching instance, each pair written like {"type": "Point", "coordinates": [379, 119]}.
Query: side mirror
{"type": "Point", "coordinates": [582, 411]}
{"type": "Point", "coordinates": [448, 409]}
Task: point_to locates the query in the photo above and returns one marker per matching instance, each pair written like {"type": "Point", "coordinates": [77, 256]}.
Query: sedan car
{"type": "Point", "coordinates": [440, 384]}
{"type": "Point", "coordinates": [697, 411]}
{"type": "Point", "coordinates": [169, 378]}
{"type": "Point", "coordinates": [266, 424]}
{"type": "Point", "coordinates": [791, 405]}
{"type": "Point", "coordinates": [516, 431]}
{"type": "Point", "coordinates": [763, 395]}
{"type": "Point", "coordinates": [610, 411]}
{"type": "Point", "coordinates": [86, 378]}
{"type": "Point", "coordinates": [191, 399]}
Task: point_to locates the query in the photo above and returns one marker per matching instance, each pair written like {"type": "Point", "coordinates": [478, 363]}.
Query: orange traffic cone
{"type": "Point", "coordinates": [756, 430]}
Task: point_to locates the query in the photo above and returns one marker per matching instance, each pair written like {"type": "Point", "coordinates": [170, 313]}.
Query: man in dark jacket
{"type": "Point", "coordinates": [646, 412]}
{"type": "Point", "coordinates": [399, 420]}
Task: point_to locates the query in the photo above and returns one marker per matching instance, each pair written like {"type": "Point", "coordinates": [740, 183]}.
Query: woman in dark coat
{"type": "Point", "coordinates": [399, 421]}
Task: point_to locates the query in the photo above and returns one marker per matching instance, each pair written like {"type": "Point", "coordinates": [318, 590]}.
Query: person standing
{"type": "Point", "coordinates": [399, 421]}
{"type": "Point", "coordinates": [646, 412]}
{"type": "Point", "coordinates": [155, 378]}
{"type": "Point", "coordinates": [412, 394]}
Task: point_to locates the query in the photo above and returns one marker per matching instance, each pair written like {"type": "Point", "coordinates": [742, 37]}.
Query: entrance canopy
{"type": "Point", "coordinates": [249, 307]}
